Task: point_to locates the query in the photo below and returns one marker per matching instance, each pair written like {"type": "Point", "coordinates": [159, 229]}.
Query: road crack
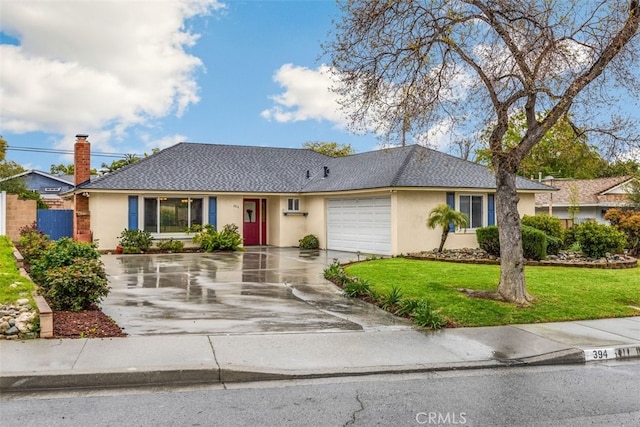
{"type": "Point", "coordinates": [352, 421]}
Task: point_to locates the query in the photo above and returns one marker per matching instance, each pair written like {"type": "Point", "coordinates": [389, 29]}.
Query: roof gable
{"type": "Point", "coordinates": [588, 191]}
{"type": "Point", "coordinates": [46, 176]}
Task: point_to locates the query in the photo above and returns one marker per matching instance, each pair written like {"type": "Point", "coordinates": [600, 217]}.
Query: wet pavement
{"type": "Point", "coordinates": [261, 290]}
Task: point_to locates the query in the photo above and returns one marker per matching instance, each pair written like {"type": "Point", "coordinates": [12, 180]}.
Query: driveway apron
{"type": "Point", "coordinates": [261, 290]}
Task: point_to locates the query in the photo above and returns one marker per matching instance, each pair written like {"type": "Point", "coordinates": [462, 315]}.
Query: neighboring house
{"type": "Point", "coordinates": [49, 186]}
{"type": "Point", "coordinates": [590, 197]}
{"type": "Point", "coordinates": [375, 202]}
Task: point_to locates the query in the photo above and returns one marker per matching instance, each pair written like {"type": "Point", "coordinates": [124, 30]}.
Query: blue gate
{"type": "Point", "coordinates": [56, 223]}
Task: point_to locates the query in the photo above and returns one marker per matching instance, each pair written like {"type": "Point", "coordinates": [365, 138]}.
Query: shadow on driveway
{"type": "Point", "coordinates": [261, 290]}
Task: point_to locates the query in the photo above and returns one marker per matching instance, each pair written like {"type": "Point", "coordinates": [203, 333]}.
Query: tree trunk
{"type": "Point", "coordinates": [512, 285]}
{"type": "Point", "coordinates": [443, 238]}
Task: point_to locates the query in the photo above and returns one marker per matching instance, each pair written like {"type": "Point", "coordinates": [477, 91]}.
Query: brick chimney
{"type": "Point", "coordinates": [82, 174]}
{"type": "Point", "coordinates": [81, 160]}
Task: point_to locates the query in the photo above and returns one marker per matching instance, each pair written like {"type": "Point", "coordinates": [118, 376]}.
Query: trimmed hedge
{"type": "Point", "coordinates": [489, 240]}
{"type": "Point", "coordinates": [534, 242]}
{"type": "Point", "coordinates": [551, 226]}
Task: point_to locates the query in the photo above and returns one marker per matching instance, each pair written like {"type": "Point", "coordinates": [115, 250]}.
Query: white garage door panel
{"type": "Point", "coordinates": [359, 224]}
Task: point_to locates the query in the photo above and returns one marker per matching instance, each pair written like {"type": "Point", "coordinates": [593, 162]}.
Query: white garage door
{"type": "Point", "coordinates": [362, 224]}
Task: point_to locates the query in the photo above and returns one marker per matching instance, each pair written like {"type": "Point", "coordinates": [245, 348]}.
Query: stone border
{"type": "Point", "coordinates": [609, 265]}
{"type": "Point", "coordinates": [46, 317]}
{"type": "Point", "coordinates": [44, 311]}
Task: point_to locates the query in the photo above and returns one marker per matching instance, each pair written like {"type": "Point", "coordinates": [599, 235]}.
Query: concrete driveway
{"type": "Point", "coordinates": [261, 290]}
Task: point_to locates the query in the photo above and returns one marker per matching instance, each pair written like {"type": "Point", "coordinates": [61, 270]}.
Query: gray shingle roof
{"type": "Point", "coordinates": [230, 168]}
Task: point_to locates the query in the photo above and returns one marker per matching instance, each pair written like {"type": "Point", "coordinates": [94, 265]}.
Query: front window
{"type": "Point", "coordinates": [472, 207]}
{"type": "Point", "coordinates": [171, 214]}
{"type": "Point", "coordinates": [293, 205]}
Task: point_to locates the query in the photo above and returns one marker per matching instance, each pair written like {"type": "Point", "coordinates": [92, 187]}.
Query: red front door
{"type": "Point", "coordinates": [254, 224]}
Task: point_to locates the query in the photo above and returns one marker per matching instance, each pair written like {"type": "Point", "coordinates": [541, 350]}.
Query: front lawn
{"type": "Point", "coordinates": [562, 293]}
{"type": "Point", "coordinates": [13, 285]}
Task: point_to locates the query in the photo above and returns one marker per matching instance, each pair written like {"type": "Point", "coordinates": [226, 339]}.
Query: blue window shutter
{"type": "Point", "coordinates": [491, 211]}
{"type": "Point", "coordinates": [133, 212]}
{"type": "Point", "coordinates": [451, 201]}
{"type": "Point", "coordinates": [213, 212]}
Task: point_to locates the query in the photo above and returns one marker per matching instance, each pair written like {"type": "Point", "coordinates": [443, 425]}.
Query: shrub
{"type": "Point", "coordinates": [424, 315]}
{"type": "Point", "coordinates": [170, 245]}
{"type": "Point", "coordinates": [61, 253]}
{"type": "Point", "coordinates": [335, 273]}
{"type": "Point", "coordinates": [309, 241]}
{"type": "Point", "coordinates": [355, 287]}
{"type": "Point", "coordinates": [488, 239]}
{"type": "Point", "coordinates": [77, 286]}
{"type": "Point", "coordinates": [627, 221]}
{"type": "Point", "coordinates": [407, 306]}
{"type": "Point", "coordinates": [596, 240]}
{"type": "Point", "coordinates": [211, 240]}
{"type": "Point", "coordinates": [554, 245]}
{"type": "Point", "coordinates": [534, 243]}
{"type": "Point", "coordinates": [33, 242]}
{"type": "Point", "coordinates": [391, 300]}
{"type": "Point", "coordinates": [551, 226]}
{"type": "Point", "coordinates": [230, 239]}
{"type": "Point", "coordinates": [569, 237]}
{"type": "Point", "coordinates": [135, 241]}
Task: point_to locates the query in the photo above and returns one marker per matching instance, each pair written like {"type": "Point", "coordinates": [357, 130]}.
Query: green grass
{"type": "Point", "coordinates": [561, 293]}
{"type": "Point", "coordinates": [9, 275]}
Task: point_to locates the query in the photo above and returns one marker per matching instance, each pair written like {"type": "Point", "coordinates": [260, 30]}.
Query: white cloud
{"type": "Point", "coordinates": [105, 66]}
{"type": "Point", "coordinates": [306, 96]}
{"type": "Point", "coordinates": [437, 137]}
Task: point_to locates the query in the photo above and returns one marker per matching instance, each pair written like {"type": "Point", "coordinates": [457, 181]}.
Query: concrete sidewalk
{"type": "Point", "coordinates": [201, 359]}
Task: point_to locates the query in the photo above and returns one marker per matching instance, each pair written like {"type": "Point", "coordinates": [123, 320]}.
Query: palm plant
{"type": "Point", "coordinates": [443, 216]}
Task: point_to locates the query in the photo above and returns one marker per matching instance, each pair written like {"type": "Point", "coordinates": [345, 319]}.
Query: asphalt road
{"type": "Point", "coordinates": [596, 394]}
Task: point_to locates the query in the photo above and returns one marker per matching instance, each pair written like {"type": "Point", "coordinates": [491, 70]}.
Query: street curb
{"type": "Point", "coordinates": [87, 380]}
{"type": "Point", "coordinates": [622, 352]}
{"type": "Point", "coordinates": [562, 357]}
{"type": "Point", "coordinates": [26, 382]}
{"type": "Point", "coordinates": [32, 382]}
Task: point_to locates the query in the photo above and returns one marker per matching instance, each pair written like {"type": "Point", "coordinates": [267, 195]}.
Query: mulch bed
{"type": "Point", "coordinates": [85, 324]}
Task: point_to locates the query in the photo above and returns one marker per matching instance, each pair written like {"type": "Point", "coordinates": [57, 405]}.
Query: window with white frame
{"type": "Point", "coordinates": [293, 205]}
{"type": "Point", "coordinates": [171, 214]}
{"type": "Point", "coordinates": [472, 206]}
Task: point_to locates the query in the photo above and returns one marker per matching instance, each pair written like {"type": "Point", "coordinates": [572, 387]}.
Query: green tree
{"type": "Point", "coordinates": [443, 216]}
{"type": "Point", "coordinates": [619, 168]}
{"type": "Point", "coordinates": [62, 169]}
{"type": "Point", "coordinates": [563, 151]}
{"type": "Point", "coordinates": [423, 62]}
{"type": "Point", "coordinates": [331, 149]}
{"type": "Point", "coordinates": [10, 168]}
{"type": "Point", "coordinates": [3, 148]}
{"type": "Point", "coordinates": [17, 185]}
{"type": "Point", "coordinates": [128, 159]}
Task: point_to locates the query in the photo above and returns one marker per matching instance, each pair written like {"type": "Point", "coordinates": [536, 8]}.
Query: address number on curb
{"type": "Point", "coordinates": [599, 354]}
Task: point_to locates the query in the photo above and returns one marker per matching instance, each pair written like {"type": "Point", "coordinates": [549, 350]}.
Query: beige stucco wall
{"type": "Point", "coordinates": [229, 211]}
{"type": "Point", "coordinates": [109, 217]}
{"type": "Point", "coordinates": [410, 208]}
{"type": "Point", "coordinates": [316, 220]}
{"type": "Point", "coordinates": [287, 230]}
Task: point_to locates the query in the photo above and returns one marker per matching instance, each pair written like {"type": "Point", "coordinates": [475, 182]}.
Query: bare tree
{"type": "Point", "coordinates": [431, 60]}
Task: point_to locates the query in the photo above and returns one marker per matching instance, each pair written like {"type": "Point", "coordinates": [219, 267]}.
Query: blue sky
{"type": "Point", "coordinates": [142, 74]}
{"type": "Point", "coordinates": [230, 72]}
